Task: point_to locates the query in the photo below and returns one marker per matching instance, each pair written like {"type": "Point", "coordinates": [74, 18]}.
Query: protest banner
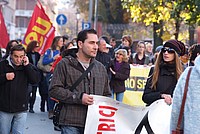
{"type": "Point", "coordinates": [135, 85]}
{"type": "Point", "coordinates": [40, 29]}
{"type": "Point", "coordinates": [107, 116]}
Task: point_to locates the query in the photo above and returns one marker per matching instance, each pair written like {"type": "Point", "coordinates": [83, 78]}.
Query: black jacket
{"type": "Point", "coordinates": [166, 84]}
{"type": "Point", "coordinates": [14, 93]}
{"type": "Point", "coordinates": [105, 59]}
{"type": "Point", "coordinates": [37, 57]}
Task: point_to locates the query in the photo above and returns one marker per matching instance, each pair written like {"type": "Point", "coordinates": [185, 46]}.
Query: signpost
{"type": "Point", "coordinates": [61, 19]}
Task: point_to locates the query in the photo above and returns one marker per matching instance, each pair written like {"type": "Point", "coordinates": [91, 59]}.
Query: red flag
{"type": "Point", "coordinates": [4, 38]}
{"type": "Point", "coordinates": [40, 28]}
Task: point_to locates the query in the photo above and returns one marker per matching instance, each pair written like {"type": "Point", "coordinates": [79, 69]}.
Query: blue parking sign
{"type": "Point", "coordinates": [86, 25]}
{"type": "Point", "coordinates": [61, 19]}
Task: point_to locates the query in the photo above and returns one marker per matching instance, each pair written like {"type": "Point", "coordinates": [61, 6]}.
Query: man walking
{"type": "Point", "coordinates": [15, 74]}
{"type": "Point", "coordinates": [69, 69]}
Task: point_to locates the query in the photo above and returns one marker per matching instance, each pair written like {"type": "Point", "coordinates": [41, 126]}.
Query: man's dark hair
{"type": "Point", "coordinates": [65, 37]}
{"type": "Point", "coordinates": [17, 48]}
{"type": "Point", "coordinates": [112, 39]}
{"type": "Point", "coordinates": [82, 35]}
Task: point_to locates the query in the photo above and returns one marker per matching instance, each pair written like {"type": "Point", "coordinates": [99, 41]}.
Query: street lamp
{"type": "Point", "coordinates": [77, 19]}
{"type": "Point", "coordinates": [96, 14]}
{"type": "Point", "coordinates": [3, 2]}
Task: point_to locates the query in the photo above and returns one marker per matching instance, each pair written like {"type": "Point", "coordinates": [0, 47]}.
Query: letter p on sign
{"type": "Point", "coordinates": [86, 25]}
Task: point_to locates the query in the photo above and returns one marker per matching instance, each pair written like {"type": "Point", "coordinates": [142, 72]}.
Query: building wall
{"type": "Point", "coordinates": [17, 15]}
{"type": "Point", "coordinates": [23, 13]}
{"type": "Point", "coordinates": [9, 17]}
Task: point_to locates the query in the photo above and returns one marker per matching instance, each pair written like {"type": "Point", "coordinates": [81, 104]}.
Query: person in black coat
{"type": "Point", "coordinates": [103, 56]}
{"type": "Point", "coordinates": [164, 75]}
{"type": "Point", "coordinates": [120, 70]}
{"type": "Point", "coordinates": [15, 74]}
{"type": "Point", "coordinates": [33, 56]}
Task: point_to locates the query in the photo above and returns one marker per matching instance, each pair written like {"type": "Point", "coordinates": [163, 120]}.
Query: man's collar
{"type": "Point", "coordinates": [9, 61]}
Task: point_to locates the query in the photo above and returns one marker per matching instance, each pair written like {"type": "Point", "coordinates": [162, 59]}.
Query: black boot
{"type": "Point", "coordinates": [31, 110]}
{"type": "Point", "coordinates": [57, 128]}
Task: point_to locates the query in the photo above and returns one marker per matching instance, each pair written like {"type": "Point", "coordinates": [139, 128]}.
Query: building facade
{"type": "Point", "coordinates": [8, 11]}
{"type": "Point", "coordinates": [17, 14]}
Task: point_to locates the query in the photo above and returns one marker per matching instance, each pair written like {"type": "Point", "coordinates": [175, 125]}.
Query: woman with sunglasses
{"type": "Point", "coordinates": [33, 56]}
{"type": "Point", "coordinates": [164, 75]}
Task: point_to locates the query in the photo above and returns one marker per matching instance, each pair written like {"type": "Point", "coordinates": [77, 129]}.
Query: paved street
{"type": "Point", "coordinates": [38, 122]}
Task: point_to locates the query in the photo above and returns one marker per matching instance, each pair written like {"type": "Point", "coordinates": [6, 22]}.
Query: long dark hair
{"type": "Point", "coordinates": [179, 68]}
{"type": "Point", "coordinates": [55, 42]}
{"type": "Point", "coordinates": [31, 46]}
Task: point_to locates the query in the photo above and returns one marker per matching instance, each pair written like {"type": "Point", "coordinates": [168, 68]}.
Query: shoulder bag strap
{"type": "Point", "coordinates": [81, 77]}
{"type": "Point", "coordinates": [183, 100]}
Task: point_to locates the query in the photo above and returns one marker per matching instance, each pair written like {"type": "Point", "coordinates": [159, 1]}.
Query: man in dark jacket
{"type": "Point", "coordinates": [103, 56]}
{"type": "Point", "coordinates": [68, 70]}
{"type": "Point", "coordinates": [15, 74]}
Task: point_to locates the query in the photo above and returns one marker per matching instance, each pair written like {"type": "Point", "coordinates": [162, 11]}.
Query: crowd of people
{"type": "Point", "coordinates": [110, 69]}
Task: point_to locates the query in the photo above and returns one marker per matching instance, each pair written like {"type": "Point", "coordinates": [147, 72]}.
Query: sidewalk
{"type": "Point", "coordinates": [38, 122]}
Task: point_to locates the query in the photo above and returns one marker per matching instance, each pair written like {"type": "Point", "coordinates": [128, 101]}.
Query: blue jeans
{"type": "Point", "coordinates": [51, 103]}
{"type": "Point", "coordinates": [12, 122]}
{"type": "Point", "coordinates": [72, 130]}
{"type": "Point", "coordinates": [119, 96]}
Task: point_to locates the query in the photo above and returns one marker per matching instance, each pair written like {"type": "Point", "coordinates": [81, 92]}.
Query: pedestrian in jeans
{"type": "Point", "coordinates": [15, 74]}
{"type": "Point", "coordinates": [120, 70]}
{"type": "Point", "coordinates": [69, 69]}
{"type": "Point", "coordinates": [50, 56]}
{"type": "Point", "coordinates": [33, 56]}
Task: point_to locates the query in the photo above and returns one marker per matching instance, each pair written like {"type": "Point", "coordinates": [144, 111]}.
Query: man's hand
{"type": "Point", "coordinates": [25, 60]}
{"type": "Point", "coordinates": [10, 76]}
{"type": "Point", "coordinates": [87, 99]}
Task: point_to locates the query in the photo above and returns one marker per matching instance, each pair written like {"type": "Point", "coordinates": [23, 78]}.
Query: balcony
{"type": "Point", "coordinates": [23, 13]}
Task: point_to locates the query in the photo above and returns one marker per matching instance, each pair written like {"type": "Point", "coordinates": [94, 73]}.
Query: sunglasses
{"type": "Point", "coordinates": [169, 50]}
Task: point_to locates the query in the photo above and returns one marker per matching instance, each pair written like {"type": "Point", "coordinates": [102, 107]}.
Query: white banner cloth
{"type": "Point", "coordinates": [107, 116]}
